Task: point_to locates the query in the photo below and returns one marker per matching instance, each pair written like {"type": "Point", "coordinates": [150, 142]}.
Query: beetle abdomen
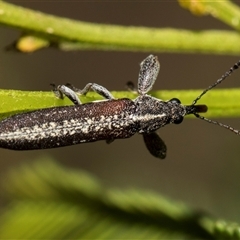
{"type": "Point", "coordinates": [64, 126]}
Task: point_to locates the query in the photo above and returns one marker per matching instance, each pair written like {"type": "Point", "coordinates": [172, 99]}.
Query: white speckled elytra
{"type": "Point", "coordinates": [108, 120]}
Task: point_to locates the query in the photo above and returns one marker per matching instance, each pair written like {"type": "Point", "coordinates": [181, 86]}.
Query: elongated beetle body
{"type": "Point", "coordinates": [108, 120]}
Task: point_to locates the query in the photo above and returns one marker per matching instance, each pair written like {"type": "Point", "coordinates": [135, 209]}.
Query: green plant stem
{"type": "Point", "coordinates": [225, 11]}
{"type": "Point", "coordinates": [112, 37]}
{"type": "Point", "coordinates": [221, 103]}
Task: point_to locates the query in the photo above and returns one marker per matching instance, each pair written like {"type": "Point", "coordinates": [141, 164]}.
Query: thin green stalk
{"type": "Point", "coordinates": [64, 32]}
{"type": "Point", "coordinates": [223, 10]}
{"type": "Point", "coordinates": [221, 103]}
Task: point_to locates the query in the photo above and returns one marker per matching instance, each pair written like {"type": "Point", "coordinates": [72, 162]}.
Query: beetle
{"type": "Point", "coordinates": [108, 119]}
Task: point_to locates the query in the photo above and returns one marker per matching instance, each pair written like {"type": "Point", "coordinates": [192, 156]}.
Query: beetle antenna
{"type": "Point", "coordinates": [224, 76]}
{"type": "Point", "coordinates": [236, 131]}
{"type": "Point", "coordinates": [195, 109]}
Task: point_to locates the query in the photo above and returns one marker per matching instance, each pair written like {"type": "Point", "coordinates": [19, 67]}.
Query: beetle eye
{"type": "Point", "coordinates": [179, 120]}
{"type": "Point", "coordinates": [175, 100]}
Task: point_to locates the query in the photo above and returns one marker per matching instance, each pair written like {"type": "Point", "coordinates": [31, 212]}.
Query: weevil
{"type": "Point", "coordinates": [108, 119]}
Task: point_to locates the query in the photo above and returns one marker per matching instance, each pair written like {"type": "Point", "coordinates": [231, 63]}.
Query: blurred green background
{"type": "Point", "coordinates": [202, 166]}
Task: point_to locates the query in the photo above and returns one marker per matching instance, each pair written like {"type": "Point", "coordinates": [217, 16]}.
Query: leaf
{"type": "Point", "coordinates": [52, 202]}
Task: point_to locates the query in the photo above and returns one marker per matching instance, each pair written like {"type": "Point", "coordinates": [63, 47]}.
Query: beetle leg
{"type": "Point", "coordinates": [92, 86]}
{"type": "Point", "coordinates": [61, 90]}
{"type": "Point", "coordinates": [155, 145]}
{"type": "Point", "coordinates": [149, 69]}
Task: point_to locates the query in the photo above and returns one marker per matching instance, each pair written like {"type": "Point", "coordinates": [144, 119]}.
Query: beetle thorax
{"type": "Point", "coordinates": [152, 113]}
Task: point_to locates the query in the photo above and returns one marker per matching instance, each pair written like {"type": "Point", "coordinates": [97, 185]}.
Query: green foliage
{"type": "Point", "coordinates": [48, 201]}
